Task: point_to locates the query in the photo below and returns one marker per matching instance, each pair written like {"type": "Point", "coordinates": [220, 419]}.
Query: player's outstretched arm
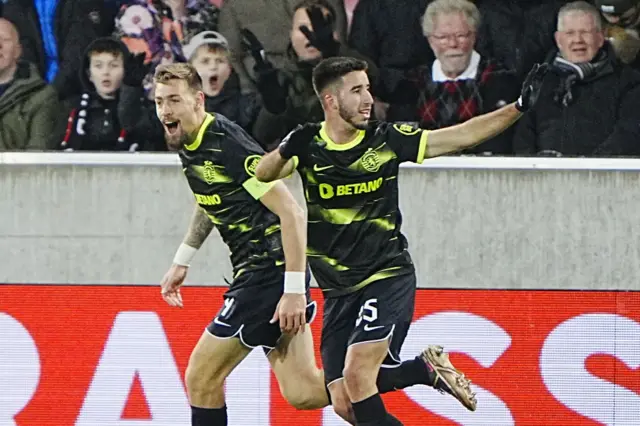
{"type": "Point", "coordinates": [471, 132]}
{"type": "Point", "coordinates": [273, 167]}
{"type": "Point", "coordinates": [292, 307]}
{"type": "Point", "coordinates": [486, 126]}
{"type": "Point", "coordinates": [199, 229]}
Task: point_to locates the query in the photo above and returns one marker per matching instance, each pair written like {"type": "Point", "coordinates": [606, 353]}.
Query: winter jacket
{"type": "Point", "coordinates": [602, 119]}
{"type": "Point", "coordinates": [28, 112]}
{"type": "Point", "coordinates": [240, 108]}
{"type": "Point", "coordinates": [78, 23]}
{"type": "Point", "coordinates": [270, 21]}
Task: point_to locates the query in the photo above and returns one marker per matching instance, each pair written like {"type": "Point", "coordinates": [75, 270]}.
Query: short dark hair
{"type": "Point", "coordinates": [106, 45]}
{"type": "Point", "coordinates": [331, 70]}
{"type": "Point", "coordinates": [178, 71]}
{"type": "Point", "coordinates": [304, 4]}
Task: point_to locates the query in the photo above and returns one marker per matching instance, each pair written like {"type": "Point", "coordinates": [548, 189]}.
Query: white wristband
{"type": "Point", "coordinates": [295, 282]}
{"type": "Point", "coordinates": [184, 255]}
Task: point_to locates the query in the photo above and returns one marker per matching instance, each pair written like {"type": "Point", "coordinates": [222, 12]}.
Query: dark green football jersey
{"type": "Point", "coordinates": [220, 168]}
{"type": "Point", "coordinates": [354, 220]}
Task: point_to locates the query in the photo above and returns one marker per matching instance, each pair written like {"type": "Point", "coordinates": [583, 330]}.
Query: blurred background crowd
{"type": "Point", "coordinates": [76, 74]}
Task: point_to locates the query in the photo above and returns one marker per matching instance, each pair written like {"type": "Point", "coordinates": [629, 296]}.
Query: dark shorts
{"type": "Point", "coordinates": [249, 306]}
{"type": "Point", "coordinates": [382, 310]}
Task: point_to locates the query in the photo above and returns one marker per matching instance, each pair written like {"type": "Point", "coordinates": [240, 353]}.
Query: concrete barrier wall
{"type": "Point", "coordinates": [471, 222]}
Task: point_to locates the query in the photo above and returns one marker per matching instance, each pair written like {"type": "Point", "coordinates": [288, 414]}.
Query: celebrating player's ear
{"type": "Point", "coordinates": [291, 310]}
{"type": "Point", "coordinates": [486, 126]}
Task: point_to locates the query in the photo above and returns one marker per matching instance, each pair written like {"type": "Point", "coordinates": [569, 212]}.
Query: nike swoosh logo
{"type": "Point", "coordinates": [218, 322]}
{"type": "Point", "coordinates": [369, 328]}
{"type": "Point", "coordinates": [317, 168]}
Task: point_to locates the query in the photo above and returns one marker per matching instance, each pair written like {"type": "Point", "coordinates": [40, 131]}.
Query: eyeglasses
{"type": "Point", "coordinates": [443, 38]}
{"type": "Point", "coordinates": [581, 33]}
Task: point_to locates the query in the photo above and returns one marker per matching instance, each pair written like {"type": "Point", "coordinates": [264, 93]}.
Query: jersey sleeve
{"type": "Point", "coordinates": [408, 141]}
{"type": "Point", "coordinates": [241, 154]}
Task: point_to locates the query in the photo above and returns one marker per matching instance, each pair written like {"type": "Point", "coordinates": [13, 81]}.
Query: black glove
{"type": "Point", "coordinates": [322, 35]}
{"type": "Point", "coordinates": [273, 92]}
{"type": "Point", "coordinates": [135, 69]}
{"type": "Point", "coordinates": [531, 87]}
{"type": "Point", "coordinates": [252, 45]}
{"type": "Point", "coordinates": [297, 142]}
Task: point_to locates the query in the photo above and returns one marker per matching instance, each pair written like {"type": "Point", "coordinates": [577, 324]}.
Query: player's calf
{"type": "Point", "coordinates": [340, 401]}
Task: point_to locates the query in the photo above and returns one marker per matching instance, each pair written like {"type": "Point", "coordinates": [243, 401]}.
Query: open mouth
{"type": "Point", "coordinates": [213, 80]}
{"type": "Point", "coordinates": [171, 126]}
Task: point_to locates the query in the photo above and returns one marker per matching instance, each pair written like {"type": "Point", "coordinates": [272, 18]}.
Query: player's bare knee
{"type": "Point", "coordinates": [359, 371]}
{"type": "Point", "coordinates": [305, 393]}
{"type": "Point", "coordinates": [201, 382]}
{"type": "Point", "coordinates": [203, 379]}
{"type": "Point", "coordinates": [362, 364]}
{"type": "Point", "coordinates": [301, 399]}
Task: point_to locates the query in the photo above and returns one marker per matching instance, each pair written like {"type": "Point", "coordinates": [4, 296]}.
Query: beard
{"type": "Point", "coordinates": [350, 117]}
{"type": "Point", "coordinates": [176, 141]}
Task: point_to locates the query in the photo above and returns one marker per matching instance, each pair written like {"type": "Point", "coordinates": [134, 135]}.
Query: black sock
{"type": "Point", "coordinates": [392, 421]}
{"type": "Point", "coordinates": [208, 416]}
{"type": "Point", "coordinates": [409, 373]}
{"type": "Point", "coordinates": [389, 420]}
{"type": "Point", "coordinates": [370, 410]}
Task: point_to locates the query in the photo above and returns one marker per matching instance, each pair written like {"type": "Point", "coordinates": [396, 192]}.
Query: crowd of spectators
{"type": "Point", "coordinates": [76, 74]}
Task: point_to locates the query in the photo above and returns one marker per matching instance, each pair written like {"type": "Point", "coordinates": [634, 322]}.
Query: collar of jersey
{"type": "Point", "coordinates": [332, 146]}
{"type": "Point", "coordinates": [196, 143]}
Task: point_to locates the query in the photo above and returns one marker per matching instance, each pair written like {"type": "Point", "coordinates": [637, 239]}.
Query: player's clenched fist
{"type": "Point", "coordinates": [170, 285]}
{"type": "Point", "coordinates": [291, 312]}
{"type": "Point", "coordinates": [296, 142]}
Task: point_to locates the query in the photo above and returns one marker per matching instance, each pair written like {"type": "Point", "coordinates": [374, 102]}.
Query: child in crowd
{"type": "Point", "coordinates": [208, 52]}
{"type": "Point", "coordinates": [99, 120]}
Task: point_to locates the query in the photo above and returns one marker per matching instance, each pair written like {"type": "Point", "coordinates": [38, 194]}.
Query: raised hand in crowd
{"type": "Point", "coordinates": [274, 95]}
{"type": "Point", "coordinates": [323, 36]}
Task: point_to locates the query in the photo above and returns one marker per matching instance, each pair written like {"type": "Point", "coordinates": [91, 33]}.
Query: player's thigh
{"type": "Point", "coordinates": [251, 305]}
{"type": "Point", "coordinates": [339, 317]}
{"type": "Point", "coordinates": [212, 360]}
{"type": "Point", "coordinates": [382, 324]}
{"type": "Point", "coordinates": [293, 355]}
{"type": "Point", "coordinates": [294, 365]}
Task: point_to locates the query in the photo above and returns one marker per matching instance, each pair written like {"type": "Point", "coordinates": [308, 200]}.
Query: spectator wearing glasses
{"type": "Point", "coordinates": [590, 103]}
{"type": "Point", "coordinates": [460, 84]}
